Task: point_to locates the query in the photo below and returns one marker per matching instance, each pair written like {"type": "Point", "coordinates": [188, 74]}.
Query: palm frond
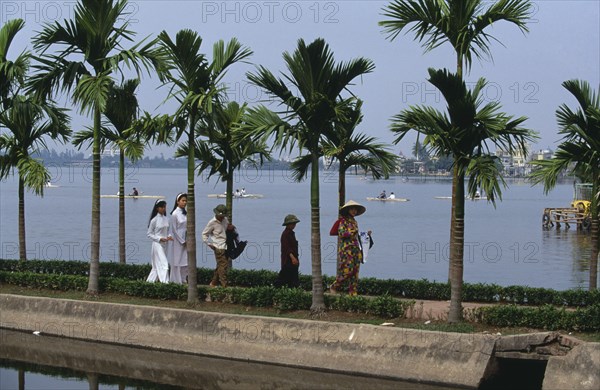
{"type": "Point", "coordinates": [33, 173]}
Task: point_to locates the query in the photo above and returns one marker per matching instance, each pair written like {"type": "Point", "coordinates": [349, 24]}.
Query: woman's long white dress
{"type": "Point", "coordinates": [159, 228]}
{"type": "Point", "coordinates": [178, 254]}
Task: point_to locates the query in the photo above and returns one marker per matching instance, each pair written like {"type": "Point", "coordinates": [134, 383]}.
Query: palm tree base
{"type": "Point", "coordinates": [318, 312]}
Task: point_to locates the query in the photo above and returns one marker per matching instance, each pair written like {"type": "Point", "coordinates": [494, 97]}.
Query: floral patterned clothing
{"type": "Point", "coordinates": [349, 255]}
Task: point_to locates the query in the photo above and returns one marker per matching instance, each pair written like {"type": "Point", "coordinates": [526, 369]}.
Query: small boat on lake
{"type": "Point", "coordinates": [389, 199]}
{"type": "Point", "coordinates": [134, 196]}
{"type": "Point", "coordinates": [245, 196]}
{"type": "Point", "coordinates": [466, 197]}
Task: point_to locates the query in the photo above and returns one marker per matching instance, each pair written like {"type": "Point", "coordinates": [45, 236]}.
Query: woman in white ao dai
{"type": "Point", "coordinates": [178, 253]}
{"type": "Point", "coordinates": [158, 232]}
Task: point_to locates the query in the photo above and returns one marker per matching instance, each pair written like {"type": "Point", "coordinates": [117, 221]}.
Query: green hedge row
{"type": "Point", "coordinates": [413, 289]}
{"type": "Point", "coordinates": [543, 317]}
{"type": "Point", "coordinates": [280, 298]}
{"type": "Point", "coordinates": [296, 299]}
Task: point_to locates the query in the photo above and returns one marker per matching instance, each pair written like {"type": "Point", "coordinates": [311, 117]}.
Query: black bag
{"type": "Point", "coordinates": [235, 247]}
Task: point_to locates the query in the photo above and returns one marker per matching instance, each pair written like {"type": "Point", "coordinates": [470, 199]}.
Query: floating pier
{"type": "Point", "coordinates": [556, 216]}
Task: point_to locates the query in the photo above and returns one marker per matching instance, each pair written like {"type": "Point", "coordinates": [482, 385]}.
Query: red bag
{"type": "Point", "coordinates": [335, 227]}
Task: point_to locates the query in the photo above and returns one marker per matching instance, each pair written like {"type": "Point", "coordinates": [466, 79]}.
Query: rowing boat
{"type": "Point", "coordinates": [245, 196]}
{"type": "Point", "coordinates": [466, 197]}
{"type": "Point", "coordinates": [388, 199]}
{"type": "Point", "coordinates": [134, 196]}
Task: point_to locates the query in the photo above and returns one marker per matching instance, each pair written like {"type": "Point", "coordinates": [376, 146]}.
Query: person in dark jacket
{"type": "Point", "coordinates": [288, 276]}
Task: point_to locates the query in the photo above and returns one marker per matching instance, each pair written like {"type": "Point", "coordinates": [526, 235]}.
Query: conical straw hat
{"type": "Point", "coordinates": [361, 209]}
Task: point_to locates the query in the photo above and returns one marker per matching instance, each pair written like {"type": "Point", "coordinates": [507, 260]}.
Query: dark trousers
{"type": "Point", "coordinates": [288, 276]}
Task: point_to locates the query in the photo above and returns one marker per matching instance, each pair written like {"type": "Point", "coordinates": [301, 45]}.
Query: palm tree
{"type": "Point", "coordinates": [351, 149]}
{"type": "Point", "coordinates": [466, 133]}
{"type": "Point", "coordinates": [579, 153]}
{"type": "Point", "coordinates": [223, 152]}
{"type": "Point", "coordinates": [12, 73]}
{"type": "Point", "coordinates": [121, 111]}
{"type": "Point", "coordinates": [91, 52]}
{"type": "Point", "coordinates": [29, 123]}
{"type": "Point", "coordinates": [194, 84]}
{"type": "Point", "coordinates": [308, 118]}
{"type": "Point", "coordinates": [462, 23]}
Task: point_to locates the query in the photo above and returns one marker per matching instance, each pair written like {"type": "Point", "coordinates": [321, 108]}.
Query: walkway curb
{"type": "Point", "coordinates": [413, 355]}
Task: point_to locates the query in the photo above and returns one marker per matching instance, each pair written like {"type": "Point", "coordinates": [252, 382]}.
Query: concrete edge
{"type": "Point", "coordinates": [406, 354]}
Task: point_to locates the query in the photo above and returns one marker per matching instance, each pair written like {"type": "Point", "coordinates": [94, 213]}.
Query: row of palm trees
{"type": "Point", "coordinates": [317, 111]}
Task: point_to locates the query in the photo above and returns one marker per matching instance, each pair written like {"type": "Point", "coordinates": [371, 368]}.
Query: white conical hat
{"type": "Point", "coordinates": [361, 209]}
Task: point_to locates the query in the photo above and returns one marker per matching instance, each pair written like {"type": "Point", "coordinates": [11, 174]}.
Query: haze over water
{"type": "Point", "coordinates": [504, 245]}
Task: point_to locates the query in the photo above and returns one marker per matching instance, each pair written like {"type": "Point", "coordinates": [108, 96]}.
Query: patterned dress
{"type": "Point", "coordinates": [349, 253]}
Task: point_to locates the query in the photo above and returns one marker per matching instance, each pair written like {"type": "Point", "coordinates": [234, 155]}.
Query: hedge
{"type": "Point", "coordinates": [412, 289]}
{"type": "Point", "coordinates": [284, 299]}
{"type": "Point", "coordinates": [546, 317]}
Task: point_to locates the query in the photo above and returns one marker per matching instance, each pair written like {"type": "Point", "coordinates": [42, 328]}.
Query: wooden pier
{"type": "Point", "coordinates": [555, 216]}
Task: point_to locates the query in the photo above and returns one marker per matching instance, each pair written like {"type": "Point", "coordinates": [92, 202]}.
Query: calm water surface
{"type": "Point", "coordinates": [504, 245]}
{"type": "Point", "coordinates": [48, 363]}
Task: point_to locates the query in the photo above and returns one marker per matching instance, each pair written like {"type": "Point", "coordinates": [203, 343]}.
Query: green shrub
{"type": "Point", "coordinates": [385, 306]}
{"type": "Point", "coordinates": [414, 289]}
{"type": "Point", "coordinates": [292, 299]}
{"type": "Point", "coordinates": [546, 317]}
{"type": "Point", "coordinates": [353, 304]}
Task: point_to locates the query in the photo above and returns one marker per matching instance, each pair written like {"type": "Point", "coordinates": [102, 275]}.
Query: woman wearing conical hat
{"type": "Point", "coordinates": [288, 276]}
{"type": "Point", "coordinates": [349, 250]}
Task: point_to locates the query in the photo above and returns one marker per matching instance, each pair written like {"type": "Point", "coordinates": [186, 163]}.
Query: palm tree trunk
{"type": "Point", "coordinates": [593, 285]}
{"type": "Point", "coordinates": [93, 381]}
{"type": "Point", "coordinates": [318, 299]}
{"type": "Point", "coordinates": [22, 241]}
{"type": "Point", "coordinates": [191, 217]}
{"type": "Point", "coordinates": [229, 204]}
{"type": "Point", "coordinates": [95, 234]}
{"type": "Point", "coordinates": [341, 186]}
{"type": "Point", "coordinates": [122, 258]}
{"type": "Point", "coordinates": [457, 241]}
{"type": "Point", "coordinates": [341, 202]}
{"type": "Point", "coordinates": [21, 380]}
{"type": "Point", "coordinates": [229, 196]}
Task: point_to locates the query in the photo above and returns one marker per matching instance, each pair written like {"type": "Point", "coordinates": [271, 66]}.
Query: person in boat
{"type": "Point", "coordinates": [392, 195]}
{"type": "Point", "coordinates": [243, 191]}
{"type": "Point", "coordinates": [383, 195]}
{"type": "Point", "coordinates": [288, 276]}
{"type": "Point", "coordinates": [477, 194]}
{"type": "Point", "coordinates": [350, 254]}
{"type": "Point", "coordinates": [158, 232]}
{"type": "Point", "coordinates": [134, 192]}
{"type": "Point", "coordinates": [237, 193]}
{"type": "Point", "coordinates": [178, 254]}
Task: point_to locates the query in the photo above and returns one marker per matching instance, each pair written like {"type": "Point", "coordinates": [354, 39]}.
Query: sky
{"type": "Point", "coordinates": [524, 75]}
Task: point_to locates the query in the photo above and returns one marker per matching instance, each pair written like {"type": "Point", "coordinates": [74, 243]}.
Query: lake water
{"type": "Point", "coordinates": [504, 245]}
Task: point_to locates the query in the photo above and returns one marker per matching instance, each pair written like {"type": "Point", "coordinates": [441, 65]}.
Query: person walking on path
{"type": "Point", "coordinates": [158, 232]}
{"type": "Point", "coordinates": [349, 250]}
{"type": "Point", "coordinates": [288, 276]}
{"type": "Point", "coordinates": [178, 254]}
{"type": "Point", "coordinates": [215, 236]}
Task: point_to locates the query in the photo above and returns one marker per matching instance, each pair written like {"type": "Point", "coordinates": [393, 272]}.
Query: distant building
{"type": "Point", "coordinates": [542, 154]}
{"type": "Point", "coordinates": [515, 163]}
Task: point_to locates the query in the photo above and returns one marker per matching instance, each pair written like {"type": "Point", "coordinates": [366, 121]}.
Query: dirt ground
{"type": "Point", "coordinates": [437, 310]}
